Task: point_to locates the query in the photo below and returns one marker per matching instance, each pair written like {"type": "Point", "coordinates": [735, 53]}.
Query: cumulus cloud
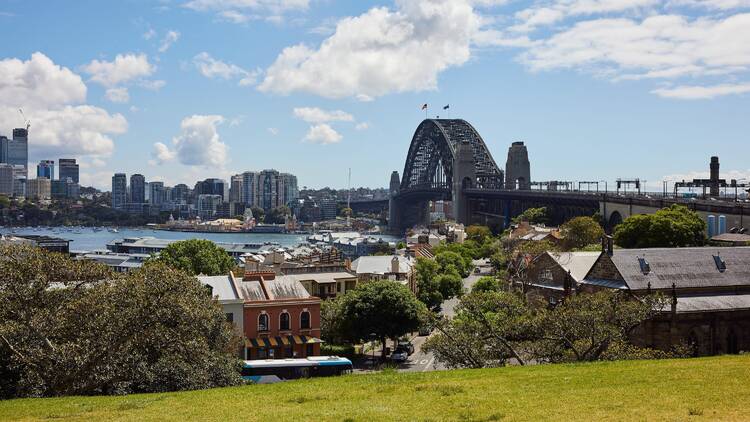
{"type": "Point", "coordinates": [170, 38]}
{"type": "Point", "coordinates": [213, 68]}
{"type": "Point", "coordinates": [322, 134]}
{"type": "Point", "coordinates": [241, 11]}
{"type": "Point", "coordinates": [198, 143]}
{"type": "Point", "coordinates": [550, 12]}
{"type": "Point", "coordinates": [317, 115]}
{"type": "Point", "coordinates": [117, 95]}
{"type": "Point", "coordinates": [379, 52]}
{"type": "Point", "coordinates": [124, 68]}
{"type": "Point", "coordinates": [53, 97]}
{"type": "Point", "coordinates": [713, 4]}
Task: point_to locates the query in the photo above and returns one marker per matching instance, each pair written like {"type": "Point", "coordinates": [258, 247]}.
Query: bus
{"type": "Point", "coordinates": [267, 371]}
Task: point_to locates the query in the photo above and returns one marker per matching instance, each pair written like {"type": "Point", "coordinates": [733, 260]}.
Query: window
{"type": "Point", "coordinates": [310, 350]}
{"type": "Point", "coordinates": [263, 322]}
{"type": "Point", "coordinates": [645, 266]}
{"type": "Point", "coordinates": [721, 265]}
{"type": "Point", "coordinates": [305, 320]}
{"type": "Point", "coordinates": [545, 276]}
{"type": "Point", "coordinates": [284, 321]}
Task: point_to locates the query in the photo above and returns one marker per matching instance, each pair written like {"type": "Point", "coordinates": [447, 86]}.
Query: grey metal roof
{"type": "Point", "coordinates": [322, 278]}
{"type": "Point", "coordinates": [688, 304]}
{"type": "Point", "coordinates": [285, 288]}
{"type": "Point", "coordinates": [221, 285]}
{"type": "Point", "coordinates": [251, 290]}
{"type": "Point", "coordinates": [577, 263]}
{"type": "Point", "coordinates": [380, 264]}
{"type": "Point", "coordinates": [610, 284]}
{"type": "Point", "coordinates": [685, 267]}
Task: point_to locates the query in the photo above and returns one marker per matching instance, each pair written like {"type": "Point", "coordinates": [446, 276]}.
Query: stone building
{"type": "Point", "coordinates": [517, 167]}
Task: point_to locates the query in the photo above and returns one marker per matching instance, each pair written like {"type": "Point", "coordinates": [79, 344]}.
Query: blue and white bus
{"type": "Point", "coordinates": [267, 371]}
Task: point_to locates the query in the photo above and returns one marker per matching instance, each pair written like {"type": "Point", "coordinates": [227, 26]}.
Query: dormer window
{"type": "Point", "coordinates": [645, 267]}
{"type": "Point", "coordinates": [721, 265]}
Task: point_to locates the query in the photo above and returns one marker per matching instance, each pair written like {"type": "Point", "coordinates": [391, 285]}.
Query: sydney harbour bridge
{"type": "Point", "coordinates": [449, 161]}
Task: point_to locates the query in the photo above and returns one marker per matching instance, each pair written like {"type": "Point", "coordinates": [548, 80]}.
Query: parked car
{"type": "Point", "coordinates": [400, 355]}
{"type": "Point", "coordinates": [407, 345]}
{"type": "Point", "coordinates": [477, 270]}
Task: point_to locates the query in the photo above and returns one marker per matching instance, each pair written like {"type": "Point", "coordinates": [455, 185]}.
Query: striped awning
{"type": "Point", "coordinates": [272, 342]}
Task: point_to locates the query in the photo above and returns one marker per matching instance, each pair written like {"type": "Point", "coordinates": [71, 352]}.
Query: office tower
{"type": "Point", "coordinates": [39, 188]}
{"type": "Point", "coordinates": [137, 189]}
{"type": "Point", "coordinates": [268, 189]}
{"type": "Point", "coordinates": [290, 190]}
{"type": "Point", "coordinates": [208, 205]}
{"type": "Point", "coordinates": [235, 189]}
{"type": "Point", "coordinates": [250, 188]}
{"type": "Point", "coordinates": [68, 168]}
{"type": "Point", "coordinates": [156, 193]}
{"type": "Point", "coordinates": [46, 169]}
{"type": "Point", "coordinates": [18, 150]}
{"type": "Point", "coordinates": [6, 179]}
{"type": "Point", "coordinates": [119, 190]}
{"type": "Point", "coordinates": [180, 194]}
{"type": "Point", "coordinates": [4, 149]}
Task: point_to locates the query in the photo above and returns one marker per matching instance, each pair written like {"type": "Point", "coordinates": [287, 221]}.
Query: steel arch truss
{"type": "Point", "coordinates": [432, 153]}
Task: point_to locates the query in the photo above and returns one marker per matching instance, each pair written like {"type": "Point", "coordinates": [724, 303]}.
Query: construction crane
{"type": "Point", "coordinates": [26, 121]}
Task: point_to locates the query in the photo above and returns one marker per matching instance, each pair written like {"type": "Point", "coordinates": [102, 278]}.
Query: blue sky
{"type": "Point", "coordinates": [185, 89]}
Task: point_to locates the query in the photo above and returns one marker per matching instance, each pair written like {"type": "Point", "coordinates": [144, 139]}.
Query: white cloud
{"type": "Point", "coordinates": [322, 134]}
{"type": "Point", "coordinates": [198, 144]}
{"type": "Point", "coordinates": [241, 11]}
{"type": "Point", "coordinates": [273, 131]}
{"type": "Point", "coordinates": [362, 126]}
{"type": "Point", "coordinates": [52, 98]}
{"type": "Point", "coordinates": [379, 52]}
{"type": "Point", "coordinates": [213, 68]}
{"type": "Point", "coordinates": [660, 46]}
{"type": "Point", "coordinates": [170, 38]}
{"type": "Point", "coordinates": [125, 68]}
{"type": "Point", "coordinates": [317, 115]}
{"type": "Point", "coordinates": [550, 12]}
{"type": "Point", "coordinates": [713, 4]}
{"type": "Point", "coordinates": [153, 85]}
{"type": "Point", "coordinates": [695, 92]}
{"type": "Point", "coordinates": [149, 34]}
{"type": "Point", "coordinates": [117, 95]}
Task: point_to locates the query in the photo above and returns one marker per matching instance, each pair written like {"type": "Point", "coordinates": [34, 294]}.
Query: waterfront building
{"type": "Point", "coordinates": [119, 262]}
{"type": "Point", "coordinates": [180, 194]}
{"type": "Point", "coordinates": [235, 189]}
{"type": "Point", "coordinates": [208, 205]}
{"type": "Point", "coordinates": [68, 168]}
{"type": "Point", "coordinates": [250, 188]}
{"type": "Point", "coordinates": [119, 191]}
{"type": "Point", "coordinates": [49, 243]}
{"type": "Point", "coordinates": [212, 186]}
{"type": "Point", "coordinates": [137, 189]}
{"type": "Point", "coordinates": [156, 195]}
{"type": "Point", "coordinates": [151, 245]}
{"type": "Point", "coordinates": [39, 188]}
{"type": "Point", "coordinates": [64, 189]}
{"type": "Point", "coordinates": [46, 168]}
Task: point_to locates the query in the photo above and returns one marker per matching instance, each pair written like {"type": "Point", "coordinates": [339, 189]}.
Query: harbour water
{"type": "Point", "coordinates": [88, 239]}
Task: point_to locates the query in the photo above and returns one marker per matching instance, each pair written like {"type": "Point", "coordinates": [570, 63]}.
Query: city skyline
{"type": "Point", "coordinates": [181, 91]}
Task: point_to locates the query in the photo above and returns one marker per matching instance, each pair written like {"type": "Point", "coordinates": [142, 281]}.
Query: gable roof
{"type": "Point", "coordinates": [577, 263]}
{"type": "Point", "coordinates": [685, 267]}
{"type": "Point", "coordinates": [380, 264]}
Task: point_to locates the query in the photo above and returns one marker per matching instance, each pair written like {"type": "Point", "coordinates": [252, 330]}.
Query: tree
{"type": "Point", "coordinates": [450, 284]}
{"type": "Point", "coordinates": [675, 226]}
{"type": "Point", "coordinates": [428, 288]}
{"type": "Point", "coordinates": [277, 215]}
{"type": "Point", "coordinates": [486, 284]}
{"type": "Point", "coordinates": [381, 308]}
{"type": "Point", "coordinates": [478, 233]}
{"type": "Point", "coordinates": [451, 260]}
{"type": "Point", "coordinates": [580, 232]}
{"type": "Point", "coordinates": [533, 216]}
{"type": "Point", "coordinates": [258, 213]}
{"type": "Point", "coordinates": [73, 327]}
{"type": "Point", "coordinates": [197, 256]}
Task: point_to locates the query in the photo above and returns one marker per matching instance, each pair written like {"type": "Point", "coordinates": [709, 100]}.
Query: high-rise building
{"type": "Point", "coordinates": [3, 149]}
{"type": "Point", "coordinates": [18, 149]}
{"type": "Point", "coordinates": [6, 179]}
{"type": "Point", "coordinates": [68, 168]}
{"type": "Point", "coordinates": [156, 193]}
{"type": "Point", "coordinates": [46, 169]}
{"type": "Point", "coordinates": [268, 189]}
{"type": "Point", "coordinates": [137, 189]}
{"type": "Point", "coordinates": [235, 189]}
{"type": "Point", "coordinates": [212, 187]}
{"type": "Point", "coordinates": [180, 194]}
{"type": "Point", "coordinates": [208, 205]}
{"type": "Point", "coordinates": [250, 188]}
{"type": "Point", "coordinates": [119, 190]}
{"type": "Point", "coordinates": [291, 191]}
{"type": "Point", "coordinates": [39, 188]}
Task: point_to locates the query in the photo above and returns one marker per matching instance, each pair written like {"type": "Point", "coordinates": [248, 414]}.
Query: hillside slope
{"type": "Point", "coordinates": [707, 389]}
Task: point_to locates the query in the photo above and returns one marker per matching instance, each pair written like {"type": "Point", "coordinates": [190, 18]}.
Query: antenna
{"type": "Point", "coordinates": [27, 122]}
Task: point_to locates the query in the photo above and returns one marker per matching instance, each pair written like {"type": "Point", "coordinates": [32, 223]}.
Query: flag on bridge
{"type": "Point", "coordinates": [447, 106]}
{"type": "Point", "coordinates": [424, 106]}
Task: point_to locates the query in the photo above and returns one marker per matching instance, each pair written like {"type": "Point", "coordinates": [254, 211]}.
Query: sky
{"type": "Point", "coordinates": [181, 90]}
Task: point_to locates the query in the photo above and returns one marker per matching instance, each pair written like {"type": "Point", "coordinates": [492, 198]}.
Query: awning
{"type": "Point", "coordinates": [271, 342]}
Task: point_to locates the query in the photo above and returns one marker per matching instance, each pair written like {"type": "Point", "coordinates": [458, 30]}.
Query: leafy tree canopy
{"type": "Point", "coordinates": [486, 284]}
{"type": "Point", "coordinates": [580, 232]}
{"type": "Point", "coordinates": [478, 233]}
{"type": "Point", "coordinates": [197, 256]}
{"type": "Point", "coordinates": [675, 226]}
{"type": "Point", "coordinates": [73, 327]}
{"type": "Point", "coordinates": [533, 216]}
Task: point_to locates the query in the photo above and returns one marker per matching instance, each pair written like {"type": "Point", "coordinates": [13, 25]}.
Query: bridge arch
{"type": "Point", "coordinates": [615, 219]}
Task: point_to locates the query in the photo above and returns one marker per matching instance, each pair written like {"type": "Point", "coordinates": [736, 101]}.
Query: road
{"type": "Point", "coordinates": [420, 361]}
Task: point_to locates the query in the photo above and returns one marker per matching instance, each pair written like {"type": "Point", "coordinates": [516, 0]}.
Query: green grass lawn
{"type": "Point", "coordinates": [707, 389]}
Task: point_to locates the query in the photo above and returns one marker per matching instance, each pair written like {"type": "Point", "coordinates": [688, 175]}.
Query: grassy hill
{"type": "Point", "coordinates": [707, 389]}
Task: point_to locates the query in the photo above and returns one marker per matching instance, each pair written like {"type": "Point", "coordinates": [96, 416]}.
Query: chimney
{"type": "Point", "coordinates": [394, 265]}
{"type": "Point", "coordinates": [674, 299]}
{"type": "Point", "coordinates": [610, 245]}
